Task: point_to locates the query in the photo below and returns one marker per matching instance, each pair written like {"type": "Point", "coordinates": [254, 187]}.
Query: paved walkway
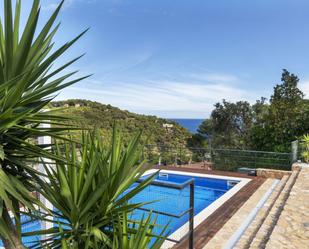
{"type": "Point", "coordinates": [281, 223]}
{"type": "Point", "coordinates": [221, 238]}
{"type": "Point", "coordinates": [292, 228]}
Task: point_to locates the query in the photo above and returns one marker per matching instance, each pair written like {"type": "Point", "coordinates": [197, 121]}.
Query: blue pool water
{"type": "Point", "coordinates": [175, 201]}
{"type": "Point", "coordinates": [169, 200]}
{"type": "Point", "coordinates": [29, 225]}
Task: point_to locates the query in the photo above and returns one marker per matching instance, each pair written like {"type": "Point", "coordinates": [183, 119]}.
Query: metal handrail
{"type": "Point", "coordinates": [213, 149]}
{"type": "Point", "coordinates": [190, 210]}
{"type": "Point", "coordinates": [168, 155]}
{"type": "Point", "coordinates": [169, 184]}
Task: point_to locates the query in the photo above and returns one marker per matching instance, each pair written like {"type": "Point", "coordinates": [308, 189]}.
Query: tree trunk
{"type": "Point", "coordinates": [17, 244]}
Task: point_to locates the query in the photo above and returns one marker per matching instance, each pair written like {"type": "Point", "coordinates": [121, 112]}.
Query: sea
{"type": "Point", "coordinates": [191, 124]}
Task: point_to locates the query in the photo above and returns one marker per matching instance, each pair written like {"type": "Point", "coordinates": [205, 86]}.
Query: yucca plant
{"type": "Point", "coordinates": [91, 196]}
{"type": "Point", "coordinates": [28, 82]}
{"type": "Point", "coordinates": [131, 234]}
{"type": "Point", "coordinates": [127, 234]}
{"type": "Point", "coordinates": [87, 187]}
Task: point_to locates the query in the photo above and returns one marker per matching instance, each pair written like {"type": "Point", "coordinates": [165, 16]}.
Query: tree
{"type": "Point", "coordinates": [284, 120]}
{"type": "Point", "coordinates": [262, 126]}
{"type": "Point", "coordinates": [197, 141]}
{"type": "Point", "coordinates": [287, 92]}
{"type": "Point", "coordinates": [258, 135]}
{"type": "Point", "coordinates": [285, 106]}
{"type": "Point", "coordinates": [228, 124]}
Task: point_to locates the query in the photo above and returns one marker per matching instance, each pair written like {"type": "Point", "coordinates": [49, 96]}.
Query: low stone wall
{"type": "Point", "coordinates": [298, 166]}
{"type": "Point", "coordinates": [272, 173]}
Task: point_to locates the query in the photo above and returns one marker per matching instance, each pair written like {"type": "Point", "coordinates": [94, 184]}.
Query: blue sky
{"type": "Point", "coordinates": [177, 58]}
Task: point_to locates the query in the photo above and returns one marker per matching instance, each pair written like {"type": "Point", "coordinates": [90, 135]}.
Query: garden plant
{"type": "Point", "coordinates": [29, 81]}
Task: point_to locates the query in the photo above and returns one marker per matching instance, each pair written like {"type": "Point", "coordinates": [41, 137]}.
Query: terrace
{"type": "Point", "coordinates": [271, 211]}
{"type": "Point", "coordinates": [268, 211]}
{"type": "Point", "coordinates": [264, 211]}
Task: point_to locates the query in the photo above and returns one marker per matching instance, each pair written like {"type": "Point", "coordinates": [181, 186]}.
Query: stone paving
{"type": "Point", "coordinates": [262, 235]}
{"type": "Point", "coordinates": [292, 228]}
{"type": "Point", "coordinates": [221, 238]}
{"type": "Point", "coordinates": [250, 233]}
{"type": "Point", "coordinates": [281, 223]}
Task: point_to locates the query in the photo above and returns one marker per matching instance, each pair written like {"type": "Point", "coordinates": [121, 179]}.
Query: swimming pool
{"type": "Point", "coordinates": [210, 192]}
{"type": "Point", "coordinates": [29, 225]}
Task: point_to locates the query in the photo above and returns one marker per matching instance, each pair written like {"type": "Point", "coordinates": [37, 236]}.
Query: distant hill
{"type": "Point", "coordinates": [160, 132]}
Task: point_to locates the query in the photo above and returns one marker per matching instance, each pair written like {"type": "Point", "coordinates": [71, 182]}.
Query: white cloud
{"type": "Point", "coordinates": [215, 77]}
{"type": "Point", "coordinates": [163, 98]}
{"type": "Point", "coordinates": [50, 6]}
{"type": "Point", "coordinates": [54, 5]}
{"type": "Point", "coordinates": [67, 3]}
{"type": "Point", "coordinates": [304, 86]}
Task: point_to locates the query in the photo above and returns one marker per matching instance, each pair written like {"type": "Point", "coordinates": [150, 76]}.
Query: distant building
{"type": "Point", "coordinates": [168, 126]}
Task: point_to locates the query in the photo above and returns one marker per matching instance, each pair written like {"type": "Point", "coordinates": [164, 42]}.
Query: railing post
{"type": "Point", "coordinates": [294, 153]}
{"type": "Point", "coordinates": [45, 140]}
{"type": "Point", "coordinates": [180, 156]}
{"type": "Point", "coordinates": [191, 218]}
{"type": "Point", "coordinates": [175, 160]}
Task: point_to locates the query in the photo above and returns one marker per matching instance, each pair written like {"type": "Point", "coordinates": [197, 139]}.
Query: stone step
{"type": "Point", "coordinates": [223, 237]}
{"type": "Point", "coordinates": [251, 231]}
{"type": "Point", "coordinates": [292, 228]}
{"type": "Point", "coordinates": [262, 235]}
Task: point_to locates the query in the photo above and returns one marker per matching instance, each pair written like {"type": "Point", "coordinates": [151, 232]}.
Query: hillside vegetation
{"type": "Point", "coordinates": [159, 132]}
